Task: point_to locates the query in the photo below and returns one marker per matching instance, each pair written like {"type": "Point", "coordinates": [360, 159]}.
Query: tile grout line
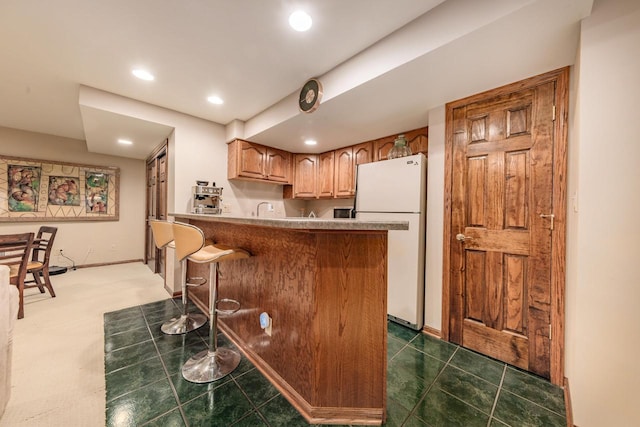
{"type": "Point", "coordinates": [495, 401]}
{"type": "Point", "coordinates": [413, 410]}
{"type": "Point", "coordinates": [255, 407]}
{"type": "Point", "coordinates": [164, 368]}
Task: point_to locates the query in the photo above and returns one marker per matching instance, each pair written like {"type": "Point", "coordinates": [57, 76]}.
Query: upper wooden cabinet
{"type": "Point", "coordinates": [278, 166]}
{"type": "Point", "coordinates": [325, 174]}
{"type": "Point", "coordinates": [312, 176]}
{"type": "Point", "coordinates": [256, 162]}
{"type": "Point", "coordinates": [346, 160]}
{"type": "Point", "coordinates": [418, 142]}
{"type": "Point", "coordinates": [305, 175]}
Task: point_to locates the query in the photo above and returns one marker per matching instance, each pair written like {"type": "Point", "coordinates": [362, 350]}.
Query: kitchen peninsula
{"type": "Point", "coordinates": [324, 284]}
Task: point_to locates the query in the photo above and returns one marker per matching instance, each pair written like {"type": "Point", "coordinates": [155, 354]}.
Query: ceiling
{"type": "Point", "coordinates": [383, 63]}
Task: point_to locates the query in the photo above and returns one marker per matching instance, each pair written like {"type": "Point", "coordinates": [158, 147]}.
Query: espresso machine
{"type": "Point", "coordinates": [206, 200]}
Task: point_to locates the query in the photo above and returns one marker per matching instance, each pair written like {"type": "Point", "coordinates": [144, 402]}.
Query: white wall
{"type": "Point", "coordinates": [85, 242]}
{"type": "Point", "coordinates": [197, 151]}
{"type": "Point", "coordinates": [602, 339]}
{"type": "Point", "coordinates": [603, 288]}
{"type": "Point", "coordinates": [435, 220]}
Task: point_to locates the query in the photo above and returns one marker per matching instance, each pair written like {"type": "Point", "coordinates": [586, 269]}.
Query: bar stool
{"type": "Point", "coordinates": [187, 322]}
{"type": "Point", "coordinates": [215, 362]}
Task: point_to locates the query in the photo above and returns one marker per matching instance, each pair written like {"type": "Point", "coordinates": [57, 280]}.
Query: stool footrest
{"type": "Point", "coordinates": [227, 301]}
{"type": "Point", "coordinates": [196, 281]}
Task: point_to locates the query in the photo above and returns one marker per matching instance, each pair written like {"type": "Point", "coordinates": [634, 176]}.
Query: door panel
{"type": "Point", "coordinates": [150, 252]}
{"type": "Point", "coordinates": [500, 304]}
{"type": "Point", "coordinates": [157, 175]}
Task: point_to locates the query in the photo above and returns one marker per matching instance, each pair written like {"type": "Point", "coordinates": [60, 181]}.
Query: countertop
{"type": "Point", "coordinates": [300, 222]}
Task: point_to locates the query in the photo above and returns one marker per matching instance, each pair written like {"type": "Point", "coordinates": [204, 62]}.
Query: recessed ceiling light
{"type": "Point", "coordinates": [143, 74]}
{"type": "Point", "coordinates": [124, 141]}
{"type": "Point", "coordinates": [310, 142]}
{"type": "Point", "coordinates": [215, 100]}
{"type": "Point", "coordinates": [300, 21]}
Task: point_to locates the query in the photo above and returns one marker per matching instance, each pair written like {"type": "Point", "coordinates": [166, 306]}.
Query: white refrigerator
{"type": "Point", "coordinates": [395, 190]}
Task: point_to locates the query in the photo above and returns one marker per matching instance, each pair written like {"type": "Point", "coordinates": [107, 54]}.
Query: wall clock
{"type": "Point", "coordinates": [310, 96]}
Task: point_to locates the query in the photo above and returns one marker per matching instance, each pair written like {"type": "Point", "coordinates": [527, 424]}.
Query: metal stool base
{"type": "Point", "coordinates": [183, 324]}
{"type": "Point", "coordinates": [208, 366]}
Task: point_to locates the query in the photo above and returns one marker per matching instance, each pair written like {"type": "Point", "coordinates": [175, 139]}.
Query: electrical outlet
{"type": "Point", "coordinates": [226, 208]}
{"type": "Point", "coordinates": [266, 323]}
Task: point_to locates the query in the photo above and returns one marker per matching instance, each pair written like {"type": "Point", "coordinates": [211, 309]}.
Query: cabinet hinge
{"type": "Point", "coordinates": [549, 331]}
{"type": "Point", "coordinates": [554, 113]}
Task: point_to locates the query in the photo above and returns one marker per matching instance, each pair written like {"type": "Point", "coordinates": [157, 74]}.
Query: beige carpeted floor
{"type": "Point", "coordinates": [58, 350]}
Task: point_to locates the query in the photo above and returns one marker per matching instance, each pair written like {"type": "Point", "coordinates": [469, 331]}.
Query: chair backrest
{"type": "Point", "coordinates": [43, 243]}
{"type": "Point", "coordinates": [162, 232]}
{"type": "Point", "coordinates": [14, 252]}
{"type": "Point", "coordinates": [188, 239]}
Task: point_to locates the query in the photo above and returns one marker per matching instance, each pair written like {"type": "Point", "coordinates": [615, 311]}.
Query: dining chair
{"type": "Point", "coordinates": [14, 252]}
{"type": "Point", "coordinates": [39, 263]}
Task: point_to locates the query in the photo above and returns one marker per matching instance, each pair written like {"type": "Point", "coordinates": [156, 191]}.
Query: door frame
{"type": "Point", "coordinates": [160, 151]}
{"type": "Point", "coordinates": [559, 185]}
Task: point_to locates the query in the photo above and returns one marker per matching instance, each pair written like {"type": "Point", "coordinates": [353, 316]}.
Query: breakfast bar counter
{"type": "Point", "coordinates": [324, 285]}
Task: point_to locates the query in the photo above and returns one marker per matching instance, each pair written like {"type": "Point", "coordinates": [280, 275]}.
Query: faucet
{"type": "Point", "coordinates": [269, 207]}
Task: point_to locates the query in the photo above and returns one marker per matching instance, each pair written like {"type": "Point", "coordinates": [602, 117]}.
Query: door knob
{"type": "Point", "coordinates": [461, 237]}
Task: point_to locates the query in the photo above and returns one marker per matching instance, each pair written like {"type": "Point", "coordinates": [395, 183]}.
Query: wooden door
{"type": "Point", "coordinates": [506, 171]}
{"type": "Point", "coordinates": [157, 175]}
{"type": "Point", "coordinates": [152, 195]}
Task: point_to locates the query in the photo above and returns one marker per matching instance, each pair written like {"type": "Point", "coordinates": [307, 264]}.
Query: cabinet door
{"type": "Point", "coordinates": [382, 147]}
{"type": "Point", "coordinates": [418, 140]}
{"type": "Point", "coordinates": [305, 175]}
{"type": "Point", "coordinates": [278, 165]}
{"type": "Point", "coordinates": [325, 174]}
{"type": "Point", "coordinates": [344, 169]}
{"type": "Point", "coordinates": [252, 160]}
{"type": "Point", "coordinates": [419, 144]}
{"type": "Point", "coordinates": [362, 153]}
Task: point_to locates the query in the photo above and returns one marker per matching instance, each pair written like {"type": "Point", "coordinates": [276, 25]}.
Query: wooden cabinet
{"type": "Point", "coordinates": [344, 172]}
{"type": "Point", "coordinates": [278, 165]}
{"type": "Point", "coordinates": [418, 142]}
{"type": "Point", "coordinates": [346, 160]}
{"type": "Point", "coordinates": [325, 175]}
{"type": "Point", "coordinates": [255, 162]}
{"type": "Point", "coordinates": [312, 176]}
{"type": "Point", "coordinates": [305, 175]}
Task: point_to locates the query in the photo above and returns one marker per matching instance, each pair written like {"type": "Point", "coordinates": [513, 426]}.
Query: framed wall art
{"type": "Point", "coordinates": [42, 190]}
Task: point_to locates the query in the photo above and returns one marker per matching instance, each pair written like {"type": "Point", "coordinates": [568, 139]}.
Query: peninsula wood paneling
{"type": "Point", "coordinates": [326, 294]}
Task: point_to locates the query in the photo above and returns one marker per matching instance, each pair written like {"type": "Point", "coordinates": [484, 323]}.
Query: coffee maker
{"type": "Point", "coordinates": [206, 200]}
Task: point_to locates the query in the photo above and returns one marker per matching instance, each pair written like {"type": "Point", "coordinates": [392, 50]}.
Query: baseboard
{"type": "Point", "coordinates": [102, 264]}
{"type": "Point", "coordinates": [174, 294]}
{"type": "Point", "coordinates": [567, 404]}
{"type": "Point", "coordinates": [432, 331]}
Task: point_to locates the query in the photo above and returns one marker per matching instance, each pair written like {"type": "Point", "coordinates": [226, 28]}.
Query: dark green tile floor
{"type": "Point", "coordinates": [430, 382]}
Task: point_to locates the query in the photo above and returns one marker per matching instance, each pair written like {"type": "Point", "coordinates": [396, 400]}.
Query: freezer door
{"type": "Point", "coordinates": [397, 185]}
{"type": "Point", "coordinates": [405, 267]}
